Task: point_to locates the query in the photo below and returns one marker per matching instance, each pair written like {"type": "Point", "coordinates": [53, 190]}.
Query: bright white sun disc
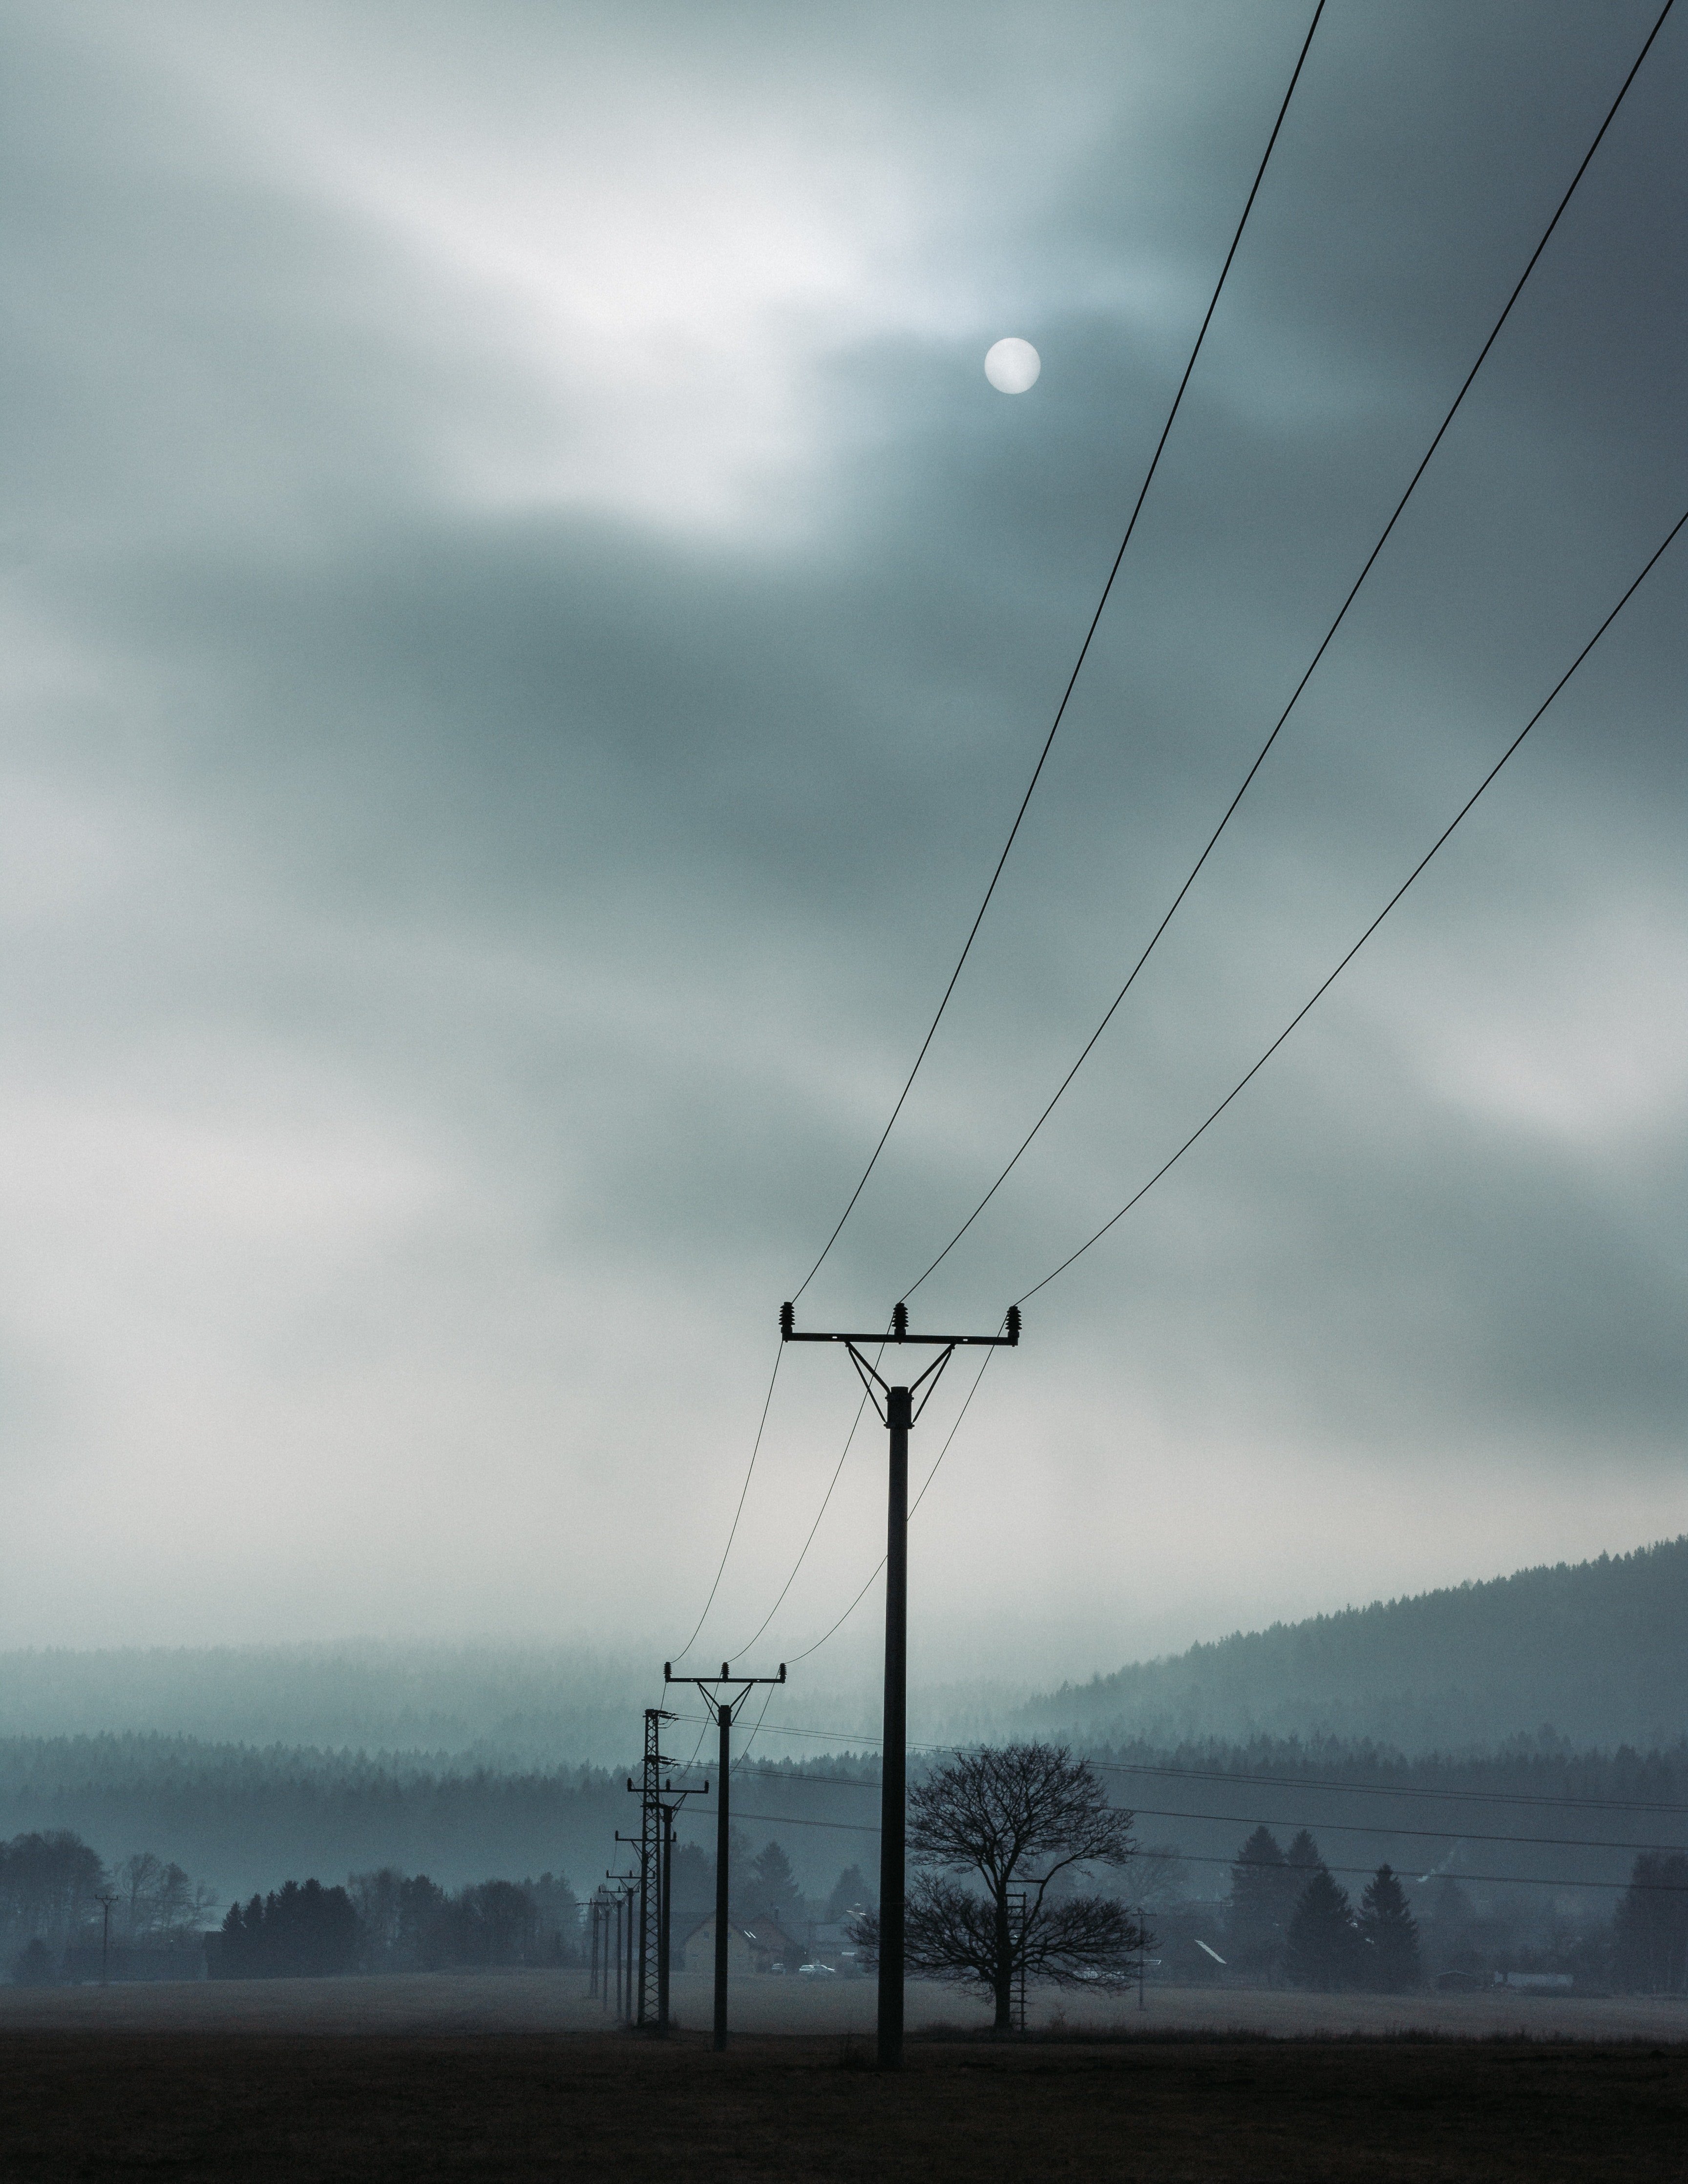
{"type": "Point", "coordinates": [1012, 365]}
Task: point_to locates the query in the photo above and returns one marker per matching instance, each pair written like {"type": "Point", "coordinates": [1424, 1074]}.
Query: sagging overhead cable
{"type": "Point", "coordinates": [1083, 651]}
{"type": "Point", "coordinates": [1324, 644]}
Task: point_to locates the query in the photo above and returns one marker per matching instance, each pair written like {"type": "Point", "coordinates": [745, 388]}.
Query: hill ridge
{"type": "Point", "coordinates": [1596, 1652]}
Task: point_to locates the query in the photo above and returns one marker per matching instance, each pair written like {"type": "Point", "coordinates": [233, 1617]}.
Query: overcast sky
{"type": "Point", "coordinates": [525, 628]}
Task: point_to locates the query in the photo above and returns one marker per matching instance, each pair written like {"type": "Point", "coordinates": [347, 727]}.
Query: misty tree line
{"type": "Point", "coordinates": [411, 1923]}
{"type": "Point", "coordinates": [1287, 1917]}
{"type": "Point", "coordinates": [1009, 1843]}
{"type": "Point", "coordinates": [1284, 1919]}
{"type": "Point", "coordinates": [1649, 1933]}
{"type": "Point", "coordinates": [391, 1921]}
{"type": "Point", "coordinates": [236, 1818]}
{"type": "Point", "coordinates": [227, 1813]}
{"type": "Point", "coordinates": [296, 1932]}
{"type": "Point", "coordinates": [1287, 1920]}
{"type": "Point", "coordinates": [57, 1896]}
{"type": "Point", "coordinates": [764, 1885]}
{"type": "Point", "coordinates": [56, 1893]}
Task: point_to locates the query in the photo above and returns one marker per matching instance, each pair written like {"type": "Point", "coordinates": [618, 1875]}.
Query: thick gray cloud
{"type": "Point", "coordinates": [527, 629]}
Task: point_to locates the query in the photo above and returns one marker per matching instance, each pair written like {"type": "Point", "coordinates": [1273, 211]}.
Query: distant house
{"type": "Point", "coordinates": [758, 1945]}
{"type": "Point", "coordinates": [827, 1941]}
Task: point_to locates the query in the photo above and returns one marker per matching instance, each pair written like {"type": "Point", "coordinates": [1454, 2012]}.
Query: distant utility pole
{"type": "Point", "coordinates": [602, 1909]}
{"type": "Point", "coordinates": [721, 1712]}
{"type": "Point", "coordinates": [105, 1938]}
{"type": "Point", "coordinates": [659, 1801]}
{"type": "Point", "coordinates": [630, 1897]}
{"type": "Point", "coordinates": [898, 1413]}
{"type": "Point", "coordinates": [638, 1885]}
{"type": "Point", "coordinates": [623, 1900]}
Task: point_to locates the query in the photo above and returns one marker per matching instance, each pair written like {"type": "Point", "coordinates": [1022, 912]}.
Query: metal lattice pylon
{"type": "Point", "coordinates": [650, 1865]}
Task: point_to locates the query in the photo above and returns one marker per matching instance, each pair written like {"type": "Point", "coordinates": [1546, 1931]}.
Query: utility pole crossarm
{"type": "Point", "coordinates": [1009, 1339]}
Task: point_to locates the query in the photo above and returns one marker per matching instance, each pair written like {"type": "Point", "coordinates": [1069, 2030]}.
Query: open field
{"type": "Point", "coordinates": [430, 2004]}
{"type": "Point", "coordinates": [118, 2105]}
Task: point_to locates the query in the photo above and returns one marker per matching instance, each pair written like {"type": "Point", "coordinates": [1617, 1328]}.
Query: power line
{"type": "Point", "coordinates": [1321, 990]}
{"type": "Point", "coordinates": [1083, 650]}
{"type": "Point", "coordinates": [837, 1473]}
{"type": "Point", "coordinates": [690, 1763]}
{"type": "Point", "coordinates": [1228, 1775]}
{"type": "Point", "coordinates": [755, 1732]}
{"type": "Point", "coordinates": [1324, 1826]}
{"type": "Point", "coordinates": [1511, 1879]}
{"type": "Point", "coordinates": [1196, 1858]}
{"type": "Point", "coordinates": [1305, 1009]}
{"type": "Point", "coordinates": [845, 1618]}
{"type": "Point", "coordinates": [1383, 1827]}
{"type": "Point", "coordinates": [954, 1430]}
{"type": "Point", "coordinates": [1224, 820]}
{"type": "Point", "coordinates": [1342, 614]}
{"type": "Point", "coordinates": [732, 1534]}
{"type": "Point", "coordinates": [1402, 1790]}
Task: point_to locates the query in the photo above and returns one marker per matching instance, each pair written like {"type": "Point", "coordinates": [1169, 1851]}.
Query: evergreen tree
{"type": "Point", "coordinates": [493, 1923]}
{"type": "Point", "coordinates": [1389, 1937]}
{"type": "Point", "coordinates": [773, 1885]}
{"type": "Point", "coordinates": [307, 1932]}
{"type": "Point", "coordinates": [1651, 1928]}
{"type": "Point", "coordinates": [851, 1888]}
{"type": "Point", "coordinates": [422, 1908]}
{"type": "Point", "coordinates": [1256, 1913]}
{"type": "Point", "coordinates": [228, 1959]}
{"type": "Point", "coordinates": [1302, 1858]}
{"type": "Point", "coordinates": [1323, 1945]}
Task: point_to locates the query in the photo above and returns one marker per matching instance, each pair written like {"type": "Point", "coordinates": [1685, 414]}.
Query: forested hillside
{"type": "Point", "coordinates": [511, 1705]}
{"type": "Point", "coordinates": [1596, 1652]}
{"type": "Point", "coordinates": [240, 1819]}
{"type": "Point", "coordinates": [518, 1708]}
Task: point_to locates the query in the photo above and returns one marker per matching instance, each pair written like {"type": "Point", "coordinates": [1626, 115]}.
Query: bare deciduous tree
{"type": "Point", "coordinates": [158, 1903]}
{"type": "Point", "coordinates": [1019, 1817]}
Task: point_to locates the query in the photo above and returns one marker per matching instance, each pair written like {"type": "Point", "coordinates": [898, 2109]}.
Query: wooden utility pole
{"type": "Point", "coordinates": [722, 1712]}
{"type": "Point", "coordinates": [898, 1413]}
{"type": "Point", "coordinates": [626, 1893]}
{"type": "Point", "coordinates": [105, 1938]}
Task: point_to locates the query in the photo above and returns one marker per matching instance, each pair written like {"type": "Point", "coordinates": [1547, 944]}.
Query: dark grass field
{"type": "Point", "coordinates": [259, 2107]}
